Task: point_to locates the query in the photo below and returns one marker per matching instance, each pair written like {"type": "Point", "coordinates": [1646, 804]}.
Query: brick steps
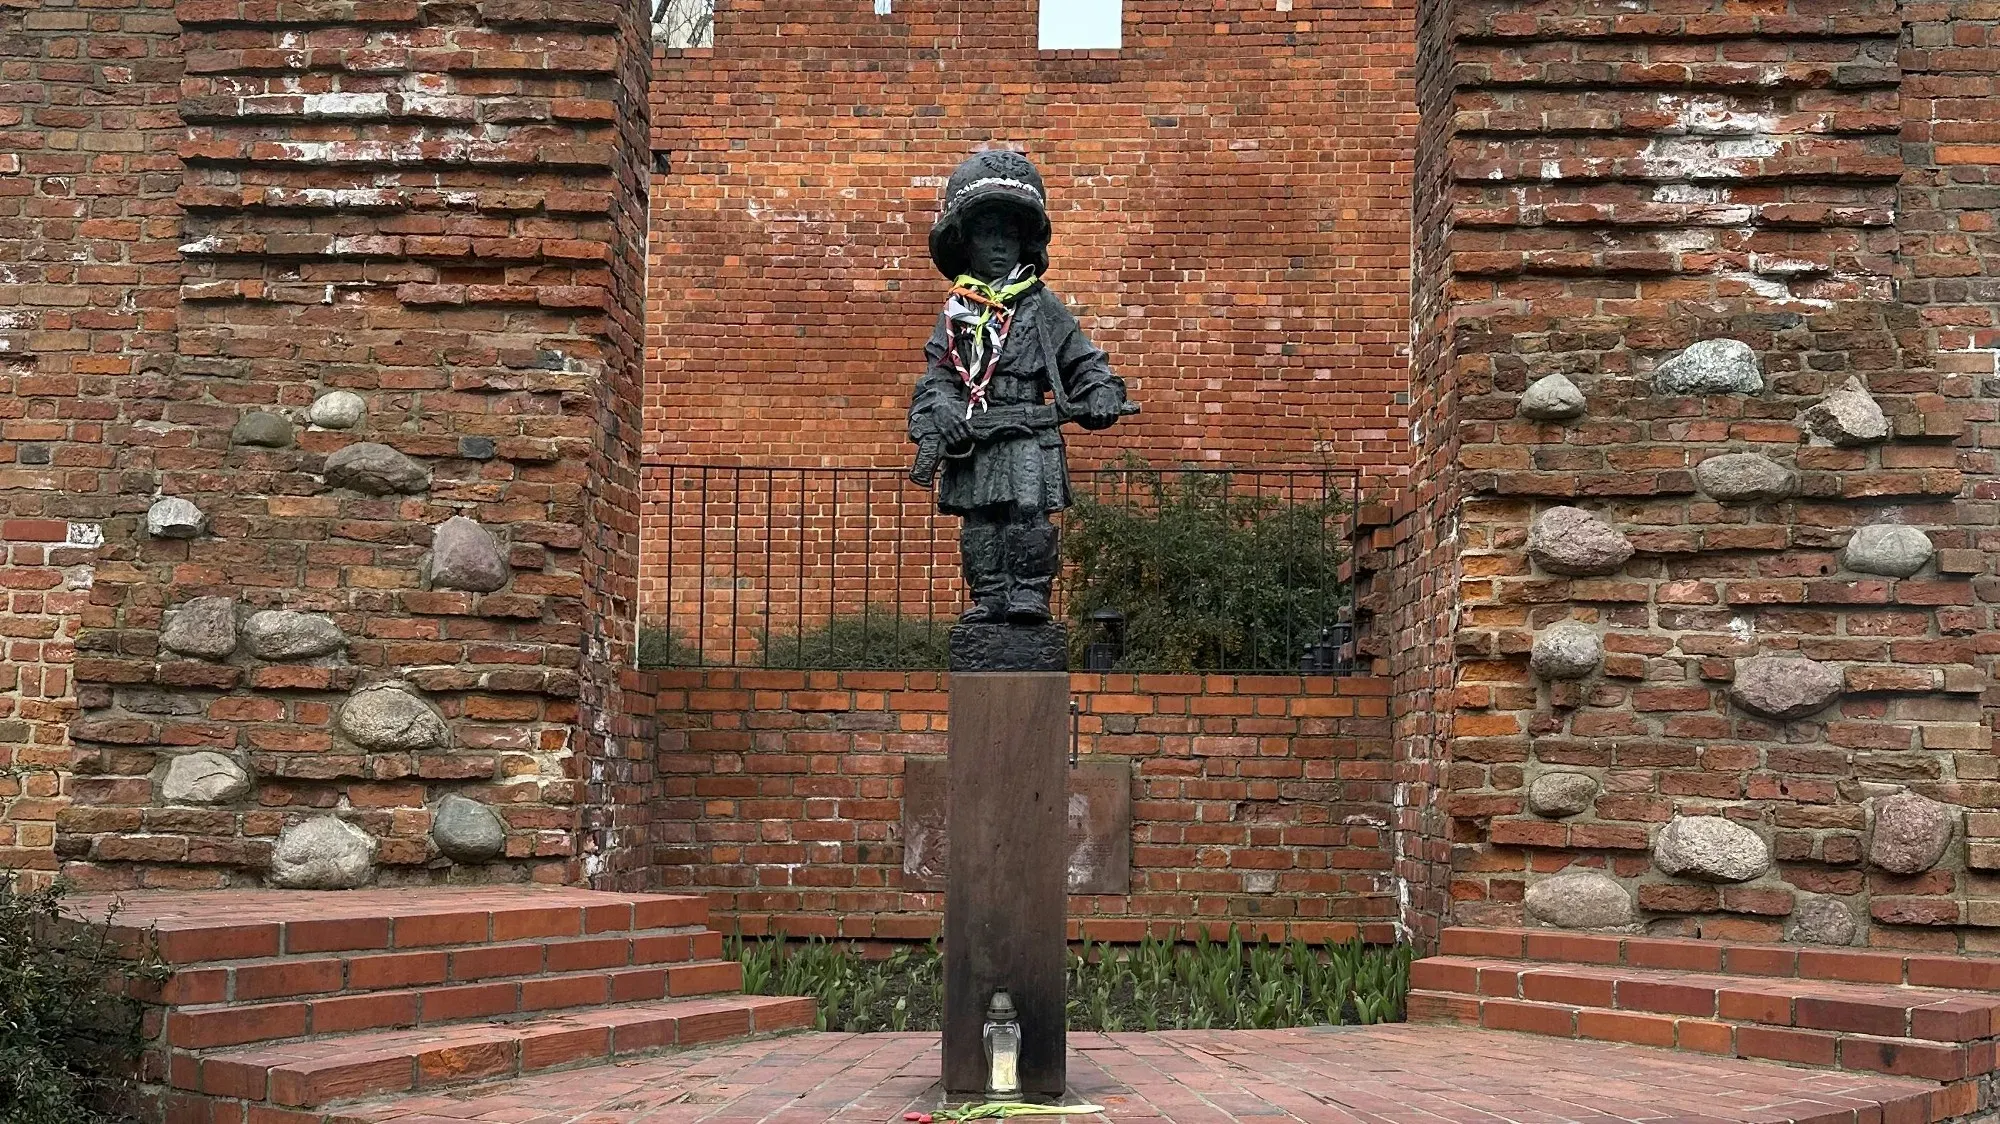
{"type": "Point", "coordinates": [1958, 972]}
{"type": "Point", "coordinates": [286, 976]}
{"type": "Point", "coordinates": [234, 1024]}
{"type": "Point", "coordinates": [313, 1074]}
{"type": "Point", "coordinates": [1819, 1007]}
{"type": "Point", "coordinates": [283, 1004]}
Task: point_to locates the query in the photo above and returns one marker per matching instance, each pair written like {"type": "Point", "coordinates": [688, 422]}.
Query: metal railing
{"type": "Point", "coordinates": [1233, 569]}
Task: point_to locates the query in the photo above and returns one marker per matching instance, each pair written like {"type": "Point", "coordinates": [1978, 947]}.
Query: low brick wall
{"type": "Point", "coordinates": [1260, 801]}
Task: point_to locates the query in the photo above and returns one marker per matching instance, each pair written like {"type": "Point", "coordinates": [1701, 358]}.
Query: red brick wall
{"type": "Point", "coordinates": [1417, 536]}
{"type": "Point", "coordinates": [1230, 196]}
{"type": "Point", "coordinates": [1262, 801]}
{"type": "Point", "coordinates": [184, 245]}
{"type": "Point", "coordinates": [615, 731]}
{"type": "Point", "coordinates": [89, 283]}
{"type": "Point", "coordinates": [1784, 182]}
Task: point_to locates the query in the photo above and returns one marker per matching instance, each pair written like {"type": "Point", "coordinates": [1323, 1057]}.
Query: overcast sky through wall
{"type": "Point", "coordinates": [1077, 25]}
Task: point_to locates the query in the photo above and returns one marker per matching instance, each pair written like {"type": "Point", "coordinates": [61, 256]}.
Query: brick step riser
{"type": "Point", "coordinates": [368, 971]}
{"type": "Point", "coordinates": [1926, 1016]}
{"type": "Point", "coordinates": [191, 945]}
{"type": "Point", "coordinates": [1901, 1057]}
{"type": "Point", "coordinates": [481, 1055]}
{"type": "Point", "coordinates": [319, 1016]}
{"type": "Point", "coordinates": [1832, 965]}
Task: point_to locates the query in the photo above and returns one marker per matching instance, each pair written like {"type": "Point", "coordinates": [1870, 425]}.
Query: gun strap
{"type": "Point", "coordinates": [1042, 329]}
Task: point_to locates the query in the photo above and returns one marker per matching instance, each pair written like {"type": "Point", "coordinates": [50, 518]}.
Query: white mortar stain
{"type": "Point", "coordinates": [1702, 158]}
{"type": "Point", "coordinates": [344, 105]}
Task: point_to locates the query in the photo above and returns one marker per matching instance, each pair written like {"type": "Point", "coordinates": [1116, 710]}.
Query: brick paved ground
{"type": "Point", "coordinates": [1393, 1075]}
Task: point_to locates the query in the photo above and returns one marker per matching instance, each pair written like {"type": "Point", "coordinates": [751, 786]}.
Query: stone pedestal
{"type": "Point", "coordinates": [1005, 893]}
{"type": "Point", "coordinates": [1009, 647]}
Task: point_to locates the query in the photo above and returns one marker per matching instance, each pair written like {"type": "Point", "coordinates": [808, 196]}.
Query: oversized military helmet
{"type": "Point", "coordinates": [991, 179]}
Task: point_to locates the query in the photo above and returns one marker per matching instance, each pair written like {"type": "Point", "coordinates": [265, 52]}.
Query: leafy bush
{"type": "Point", "coordinates": [875, 639]}
{"type": "Point", "coordinates": [69, 1031]}
{"type": "Point", "coordinates": [1155, 985]}
{"type": "Point", "coordinates": [1209, 576]}
{"type": "Point", "coordinates": [659, 647]}
{"type": "Point", "coordinates": [1211, 985]}
{"type": "Point", "coordinates": [905, 991]}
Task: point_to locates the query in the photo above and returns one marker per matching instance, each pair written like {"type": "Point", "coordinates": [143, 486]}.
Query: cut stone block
{"type": "Point", "coordinates": [1568, 650]}
{"type": "Point", "coordinates": [1722, 366]}
{"type": "Point", "coordinates": [465, 556]}
{"type": "Point", "coordinates": [172, 517]}
{"type": "Point", "coordinates": [263, 429]}
{"type": "Point", "coordinates": [323, 854]}
{"type": "Point", "coordinates": [467, 831]}
{"type": "Point", "coordinates": [1710, 849]}
{"type": "Point", "coordinates": [1784, 687]}
{"type": "Point", "coordinates": [1556, 795]}
{"type": "Point", "coordinates": [376, 470]}
{"type": "Point", "coordinates": [1573, 542]}
{"type": "Point", "coordinates": [203, 778]}
{"type": "Point", "coordinates": [1848, 416]}
{"type": "Point", "coordinates": [1553, 398]}
{"type": "Point", "coordinates": [1744, 478]}
{"type": "Point", "coordinates": [281, 634]}
{"type": "Point", "coordinates": [1910, 833]}
{"type": "Point", "coordinates": [388, 717]}
{"type": "Point", "coordinates": [338, 409]}
{"type": "Point", "coordinates": [1889, 549]}
{"type": "Point", "coordinates": [204, 628]}
{"type": "Point", "coordinates": [1581, 899]}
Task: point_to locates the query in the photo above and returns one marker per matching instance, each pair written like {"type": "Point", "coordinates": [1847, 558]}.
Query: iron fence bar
{"type": "Point", "coordinates": [867, 555]}
{"type": "Point", "coordinates": [770, 548]}
{"type": "Point", "coordinates": [701, 583]}
{"type": "Point", "coordinates": [735, 557]}
{"type": "Point", "coordinates": [799, 579]}
{"type": "Point", "coordinates": [1267, 625]}
{"type": "Point", "coordinates": [833, 567]}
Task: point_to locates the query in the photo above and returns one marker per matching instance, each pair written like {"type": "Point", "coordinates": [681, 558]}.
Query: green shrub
{"type": "Point", "coordinates": [69, 1033]}
{"type": "Point", "coordinates": [1209, 576]}
{"type": "Point", "coordinates": [659, 647]}
{"type": "Point", "coordinates": [1155, 985]}
{"type": "Point", "coordinates": [876, 639]}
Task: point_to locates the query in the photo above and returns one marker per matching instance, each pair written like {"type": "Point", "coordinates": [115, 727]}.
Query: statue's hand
{"type": "Point", "coordinates": [952, 429]}
{"type": "Point", "coordinates": [1100, 409]}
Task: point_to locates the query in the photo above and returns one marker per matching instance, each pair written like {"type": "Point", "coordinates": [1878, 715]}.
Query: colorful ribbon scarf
{"type": "Point", "coordinates": [981, 313]}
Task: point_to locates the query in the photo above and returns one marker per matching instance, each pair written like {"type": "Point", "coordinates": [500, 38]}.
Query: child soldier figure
{"type": "Point", "coordinates": [1006, 367]}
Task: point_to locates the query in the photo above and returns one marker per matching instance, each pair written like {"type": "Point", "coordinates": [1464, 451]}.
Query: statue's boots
{"type": "Point", "coordinates": [982, 557]}
{"type": "Point", "coordinates": [1033, 558]}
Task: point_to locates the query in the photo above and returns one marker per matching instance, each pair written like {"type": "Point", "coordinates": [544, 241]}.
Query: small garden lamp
{"type": "Point", "coordinates": [1003, 1047]}
{"type": "Point", "coordinates": [1322, 655]}
{"type": "Point", "coordinates": [1107, 640]}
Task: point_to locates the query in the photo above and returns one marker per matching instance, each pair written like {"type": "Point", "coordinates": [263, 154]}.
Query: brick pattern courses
{"type": "Point", "coordinates": [1901, 1014]}
{"type": "Point", "coordinates": [1194, 1077]}
{"type": "Point", "coordinates": [283, 1006]}
{"type": "Point", "coordinates": [89, 282]}
{"type": "Point", "coordinates": [250, 249]}
{"type": "Point", "coordinates": [1262, 802]}
{"type": "Point", "coordinates": [1412, 540]}
{"type": "Point", "coordinates": [1230, 199]}
{"type": "Point", "coordinates": [1609, 210]}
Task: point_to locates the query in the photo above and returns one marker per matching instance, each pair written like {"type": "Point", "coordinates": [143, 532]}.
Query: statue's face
{"type": "Point", "coordinates": [993, 242]}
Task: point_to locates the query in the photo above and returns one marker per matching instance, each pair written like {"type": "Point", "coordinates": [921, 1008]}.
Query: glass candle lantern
{"type": "Point", "coordinates": [1003, 1047]}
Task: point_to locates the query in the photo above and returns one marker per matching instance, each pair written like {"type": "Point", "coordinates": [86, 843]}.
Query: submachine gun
{"type": "Point", "coordinates": [997, 423]}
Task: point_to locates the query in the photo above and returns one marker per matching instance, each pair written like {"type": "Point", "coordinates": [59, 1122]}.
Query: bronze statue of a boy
{"type": "Point", "coordinates": [1006, 367]}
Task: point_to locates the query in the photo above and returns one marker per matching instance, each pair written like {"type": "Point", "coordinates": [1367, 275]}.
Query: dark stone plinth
{"type": "Point", "coordinates": [1006, 891]}
{"type": "Point", "coordinates": [1010, 647]}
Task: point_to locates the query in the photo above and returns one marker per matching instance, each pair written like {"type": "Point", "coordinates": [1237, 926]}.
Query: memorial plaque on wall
{"type": "Point", "coordinates": [1100, 826]}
